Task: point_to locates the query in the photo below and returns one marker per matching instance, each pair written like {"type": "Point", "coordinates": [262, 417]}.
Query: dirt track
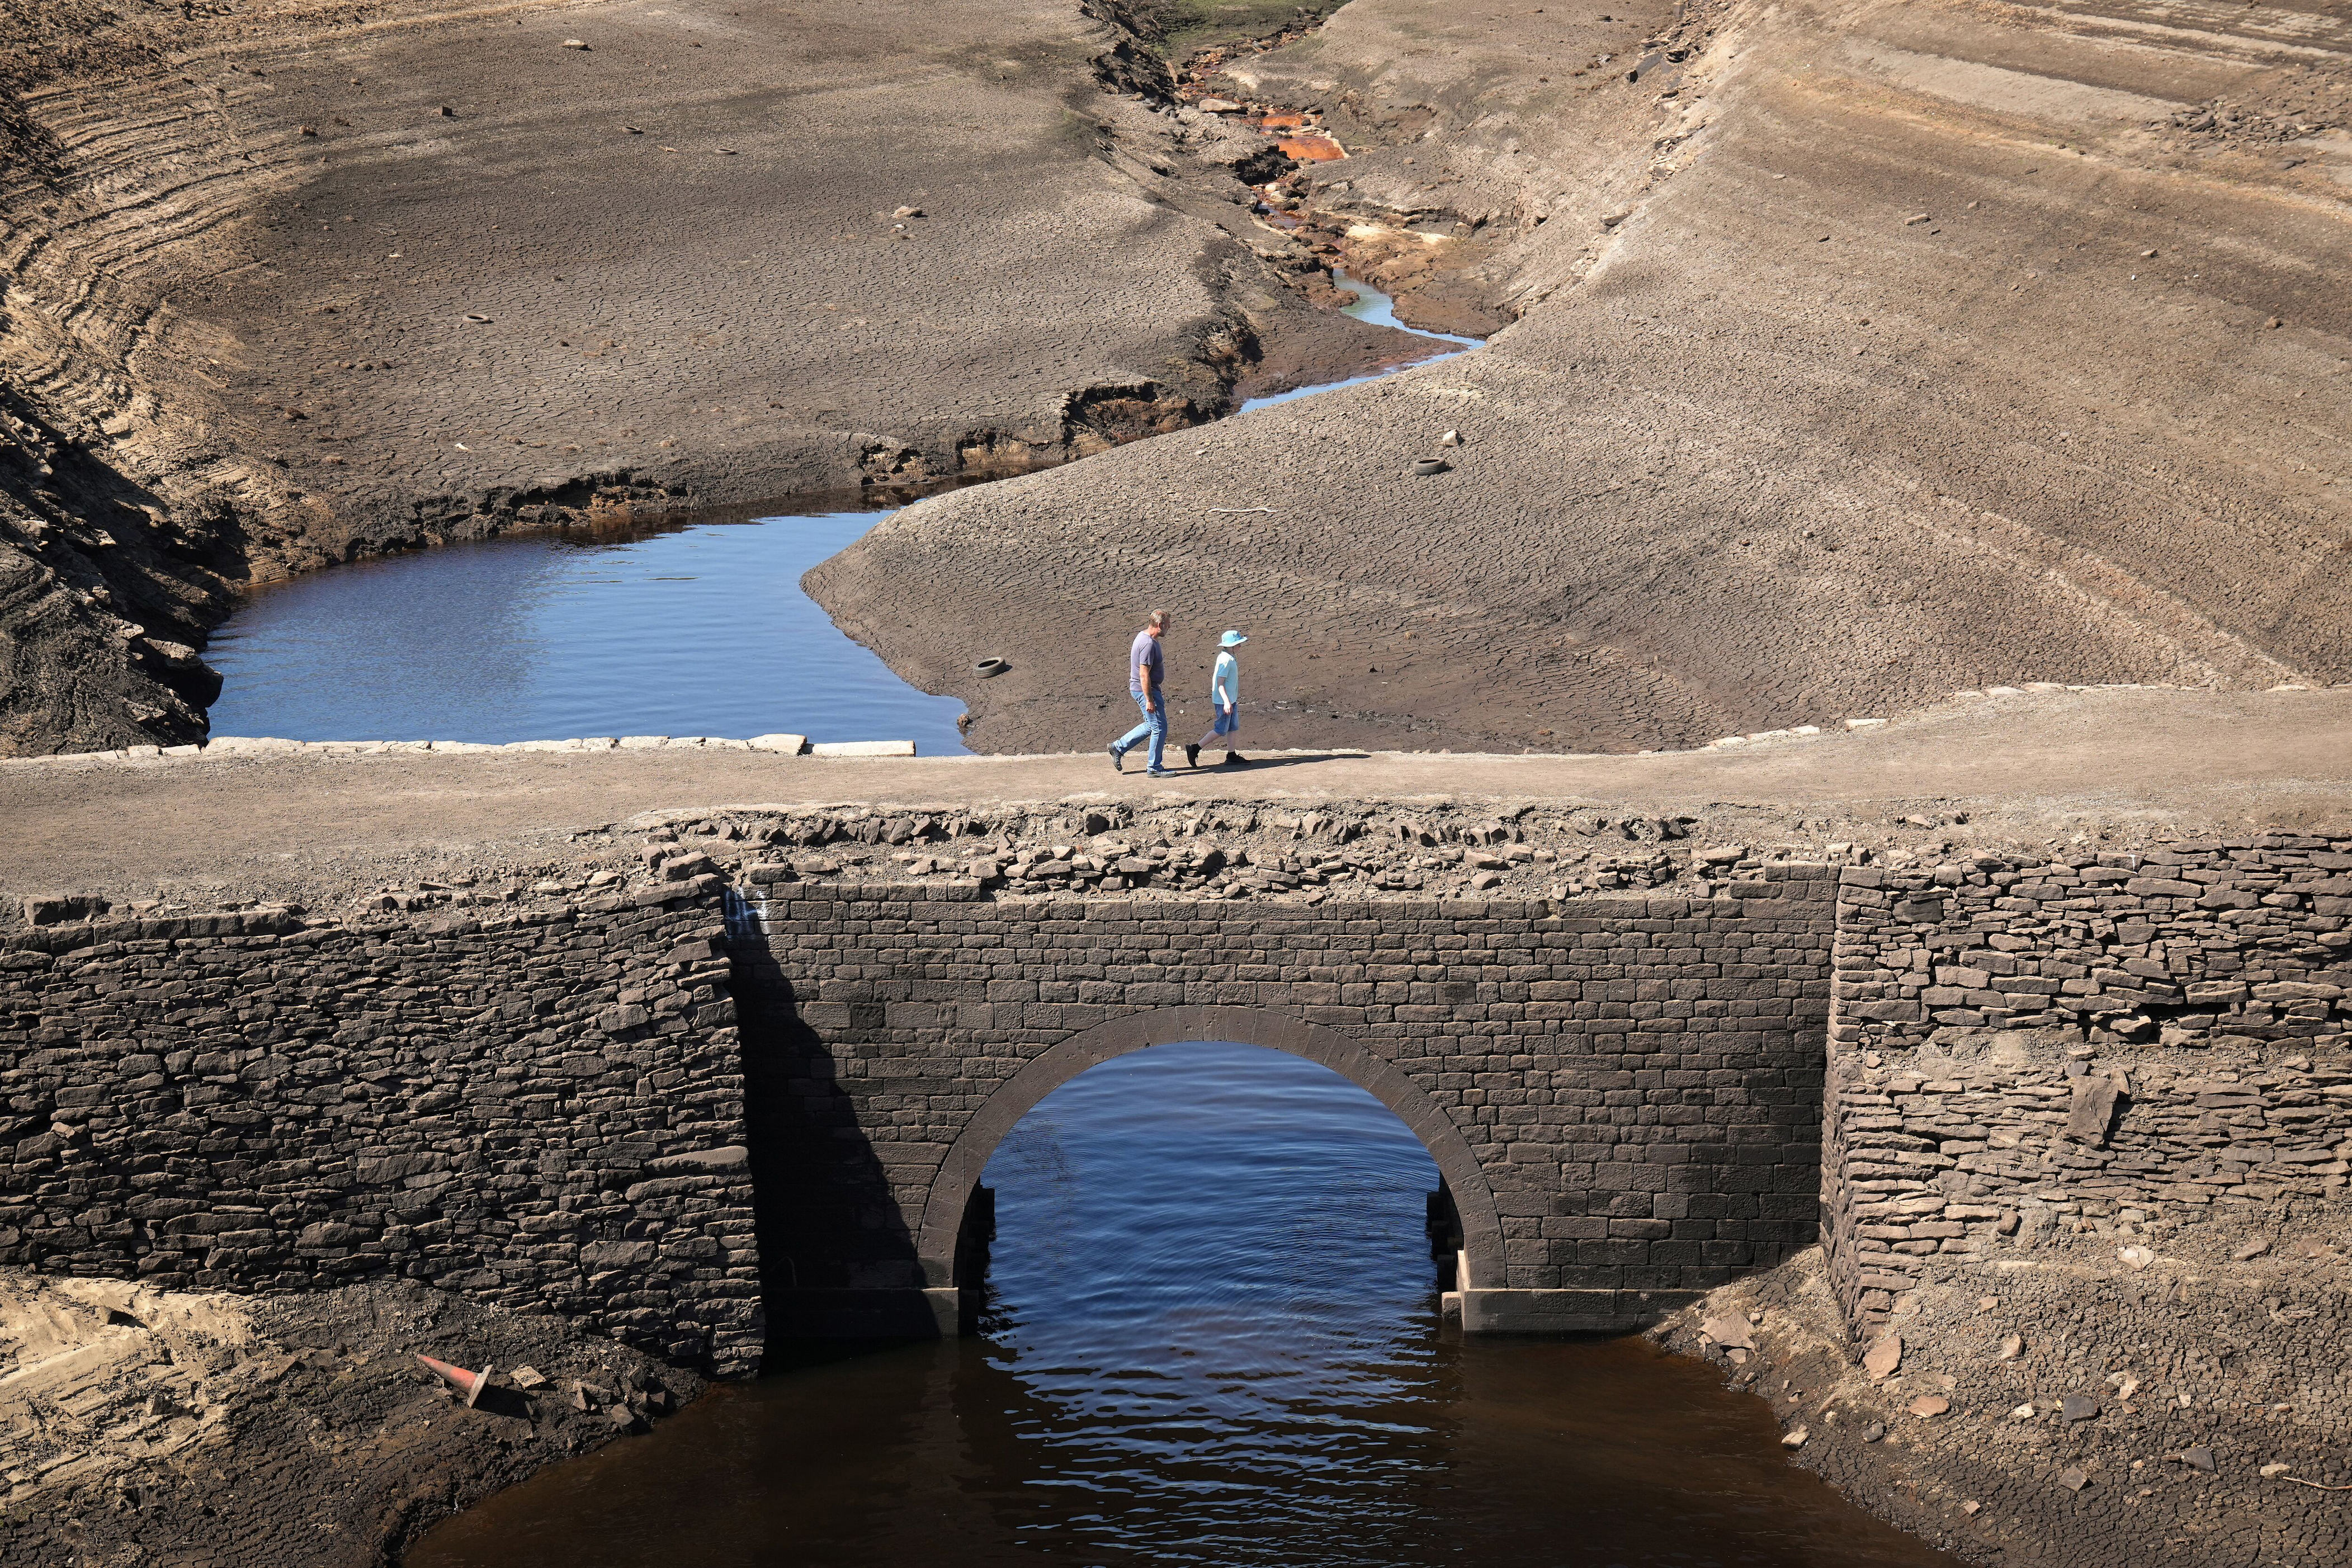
{"type": "Point", "coordinates": [1864, 353]}
{"type": "Point", "coordinates": [2028, 772]}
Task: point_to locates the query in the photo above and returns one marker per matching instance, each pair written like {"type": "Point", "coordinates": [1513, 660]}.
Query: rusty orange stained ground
{"type": "Point", "coordinates": [1282, 123]}
{"type": "Point", "coordinates": [1311, 147]}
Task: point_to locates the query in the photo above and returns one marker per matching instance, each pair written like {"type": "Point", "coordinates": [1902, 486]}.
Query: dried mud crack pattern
{"type": "Point", "coordinates": [1860, 357]}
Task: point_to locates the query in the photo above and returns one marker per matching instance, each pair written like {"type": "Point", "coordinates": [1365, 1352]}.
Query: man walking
{"type": "Point", "coordinates": [1144, 683]}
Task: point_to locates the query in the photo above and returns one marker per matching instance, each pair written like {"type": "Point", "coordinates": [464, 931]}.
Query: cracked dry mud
{"type": "Point", "coordinates": [291, 289]}
{"type": "Point", "coordinates": [1864, 352]}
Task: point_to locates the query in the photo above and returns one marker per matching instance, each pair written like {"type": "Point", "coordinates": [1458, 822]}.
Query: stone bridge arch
{"type": "Point", "coordinates": [1457, 1163]}
{"type": "Point", "coordinates": [1624, 1095]}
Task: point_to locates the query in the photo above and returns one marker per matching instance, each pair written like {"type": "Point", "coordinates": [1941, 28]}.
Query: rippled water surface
{"type": "Point", "coordinates": [1212, 1338]}
{"type": "Point", "coordinates": [699, 630]}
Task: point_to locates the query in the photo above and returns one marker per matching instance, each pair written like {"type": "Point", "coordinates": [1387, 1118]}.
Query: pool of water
{"type": "Point", "coordinates": [695, 630]}
{"type": "Point", "coordinates": [1211, 1337]}
{"type": "Point", "coordinates": [692, 628]}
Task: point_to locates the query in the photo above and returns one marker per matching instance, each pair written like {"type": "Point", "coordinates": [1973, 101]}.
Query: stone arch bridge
{"type": "Point", "coordinates": [1624, 1101]}
{"type": "Point", "coordinates": [692, 1136]}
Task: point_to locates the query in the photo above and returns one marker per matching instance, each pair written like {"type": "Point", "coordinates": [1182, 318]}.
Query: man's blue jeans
{"type": "Point", "coordinates": [1155, 725]}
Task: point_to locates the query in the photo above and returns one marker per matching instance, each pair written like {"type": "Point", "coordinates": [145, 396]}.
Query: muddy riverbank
{"type": "Point", "coordinates": [145, 1425]}
{"type": "Point", "coordinates": [1855, 355]}
{"type": "Point", "coordinates": [2062, 1403]}
{"type": "Point", "coordinates": [303, 1398]}
{"type": "Point", "coordinates": [1859, 353]}
{"type": "Point", "coordinates": [1858, 356]}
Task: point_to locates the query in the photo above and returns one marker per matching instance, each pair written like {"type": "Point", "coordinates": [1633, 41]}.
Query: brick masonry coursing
{"type": "Point", "coordinates": [551, 1105]}
{"type": "Point", "coordinates": [1637, 1080]}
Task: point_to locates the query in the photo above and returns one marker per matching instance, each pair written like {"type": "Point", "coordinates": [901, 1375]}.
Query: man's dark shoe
{"type": "Point", "coordinates": [1191, 756]}
{"type": "Point", "coordinates": [1117, 761]}
{"type": "Point", "coordinates": [1236, 760]}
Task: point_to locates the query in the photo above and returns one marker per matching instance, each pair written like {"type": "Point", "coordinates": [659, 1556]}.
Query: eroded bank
{"type": "Point", "coordinates": [1861, 353]}
{"type": "Point", "coordinates": [289, 290]}
{"type": "Point", "coordinates": [1780, 432]}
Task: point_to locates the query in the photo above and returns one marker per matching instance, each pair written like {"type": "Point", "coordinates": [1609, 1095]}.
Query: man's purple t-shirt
{"type": "Point", "coordinates": [1145, 651]}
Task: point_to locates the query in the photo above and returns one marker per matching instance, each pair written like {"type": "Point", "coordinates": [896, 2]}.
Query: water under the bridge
{"type": "Point", "coordinates": [1212, 1336]}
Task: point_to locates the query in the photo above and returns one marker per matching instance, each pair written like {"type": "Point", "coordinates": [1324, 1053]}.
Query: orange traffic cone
{"type": "Point", "coordinates": [469, 1383]}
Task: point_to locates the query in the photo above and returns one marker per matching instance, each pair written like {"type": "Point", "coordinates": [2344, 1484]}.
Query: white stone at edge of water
{"type": "Point", "coordinates": [862, 748]}
{"type": "Point", "coordinates": [799, 745]}
{"type": "Point", "coordinates": [781, 743]}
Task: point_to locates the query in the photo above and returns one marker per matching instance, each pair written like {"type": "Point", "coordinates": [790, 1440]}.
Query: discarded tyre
{"type": "Point", "coordinates": [1428, 465]}
{"type": "Point", "coordinates": [990, 666]}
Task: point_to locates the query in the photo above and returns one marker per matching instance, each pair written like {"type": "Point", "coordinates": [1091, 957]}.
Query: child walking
{"type": "Point", "coordinates": [1225, 696]}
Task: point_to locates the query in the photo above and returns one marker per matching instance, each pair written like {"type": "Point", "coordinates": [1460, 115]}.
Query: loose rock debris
{"type": "Point", "coordinates": [2071, 1469]}
{"type": "Point", "coordinates": [121, 1407]}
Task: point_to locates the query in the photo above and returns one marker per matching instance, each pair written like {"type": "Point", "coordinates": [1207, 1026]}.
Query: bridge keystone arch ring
{"type": "Point", "coordinates": [959, 1174]}
{"type": "Point", "coordinates": [1624, 1097]}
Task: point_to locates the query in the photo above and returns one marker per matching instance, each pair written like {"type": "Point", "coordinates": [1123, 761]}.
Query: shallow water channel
{"type": "Point", "coordinates": [1211, 1337]}
{"type": "Point", "coordinates": [696, 626]}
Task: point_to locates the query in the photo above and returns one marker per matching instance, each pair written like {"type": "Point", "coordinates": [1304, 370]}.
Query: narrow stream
{"type": "Point", "coordinates": [1379, 310]}
{"type": "Point", "coordinates": [1212, 1338]}
{"type": "Point", "coordinates": [681, 628]}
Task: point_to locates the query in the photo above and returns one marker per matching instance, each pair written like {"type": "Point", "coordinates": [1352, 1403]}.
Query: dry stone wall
{"type": "Point", "coordinates": [545, 1100]}
{"type": "Point", "coordinates": [2107, 1046]}
{"type": "Point", "coordinates": [541, 1109]}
